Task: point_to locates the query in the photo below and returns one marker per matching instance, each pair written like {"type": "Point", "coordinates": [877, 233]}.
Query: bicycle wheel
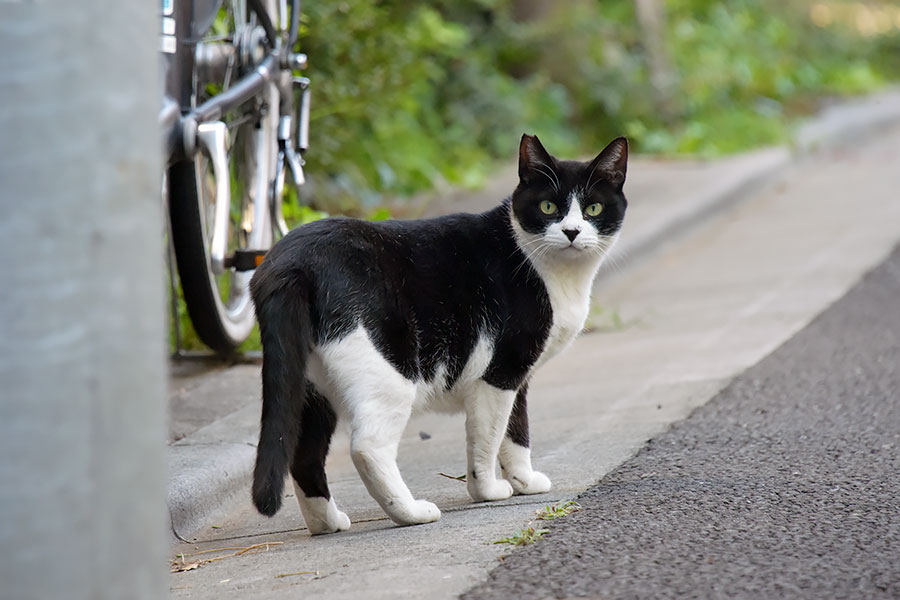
{"type": "Point", "coordinates": [219, 303]}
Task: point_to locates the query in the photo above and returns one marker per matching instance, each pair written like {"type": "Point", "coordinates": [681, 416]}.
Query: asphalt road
{"type": "Point", "coordinates": [785, 485]}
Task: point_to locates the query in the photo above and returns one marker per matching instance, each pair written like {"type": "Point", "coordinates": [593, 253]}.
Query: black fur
{"type": "Point", "coordinates": [316, 428]}
{"type": "Point", "coordinates": [517, 428]}
{"type": "Point", "coordinates": [425, 291]}
{"type": "Point", "coordinates": [281, 307]}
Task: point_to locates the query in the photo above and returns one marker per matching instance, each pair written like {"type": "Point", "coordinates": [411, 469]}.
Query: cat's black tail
{"type": "Point", "coordinates": [286, 335]}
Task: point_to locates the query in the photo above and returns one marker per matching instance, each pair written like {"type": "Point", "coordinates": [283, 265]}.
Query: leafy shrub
{"type": "Point", "coordinates": [409, 95]}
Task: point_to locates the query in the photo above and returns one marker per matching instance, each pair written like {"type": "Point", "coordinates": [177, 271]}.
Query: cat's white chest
{"type": "Point", "coordinates": [569, 291]}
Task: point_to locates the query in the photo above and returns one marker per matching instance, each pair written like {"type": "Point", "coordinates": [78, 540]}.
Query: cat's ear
{"type": "Point", "coordinates": [612, 162]}
{"type": "Point", "coordinates": [533, 158]}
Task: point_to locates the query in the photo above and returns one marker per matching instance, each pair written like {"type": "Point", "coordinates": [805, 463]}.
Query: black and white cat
{"type": "Point", "coordinates": [371, 322]}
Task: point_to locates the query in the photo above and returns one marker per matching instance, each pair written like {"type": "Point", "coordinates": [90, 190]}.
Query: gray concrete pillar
{"type": "Point", "coordinates": [82, 354]}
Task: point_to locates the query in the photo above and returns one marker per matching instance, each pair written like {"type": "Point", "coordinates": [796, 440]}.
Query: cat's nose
{"type": "Point", "coordinates": [571, 233]}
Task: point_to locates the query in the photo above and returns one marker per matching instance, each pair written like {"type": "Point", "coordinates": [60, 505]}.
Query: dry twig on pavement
{"type": "Point", "coordinates": [180, 563]}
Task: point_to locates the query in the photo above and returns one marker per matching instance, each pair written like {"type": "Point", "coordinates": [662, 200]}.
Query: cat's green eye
{"type": "Point", "coordinates": [547, 207]}
{"type": "Point", "coordinates": [593, 210]}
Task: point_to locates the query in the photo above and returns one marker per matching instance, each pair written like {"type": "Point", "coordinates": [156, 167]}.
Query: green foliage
{"type": "Point", "coordinates": [406, 97]}
{"type": "Point", "coordinates": [746, 67]}
{"type": "Point", "coordinates": [409, 95]}
{"type": "Point", "coordinates": [524, 537]}
{"type": "Point", "coordinates": [189, 338]}
{"type": "Point", "coordinates": [557, 511]}
{"type": "Point", "coordinates": [380, 214]}
{"type": "Point", "coordinates": [300, 214]}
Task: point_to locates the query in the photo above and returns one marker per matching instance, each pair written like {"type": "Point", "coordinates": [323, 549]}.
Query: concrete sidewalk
{"type": "Point", "coordinates": [216, 410]}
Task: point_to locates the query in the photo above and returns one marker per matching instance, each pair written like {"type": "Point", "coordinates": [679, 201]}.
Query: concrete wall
{"type": "Point", "coordinates": [82, 355]}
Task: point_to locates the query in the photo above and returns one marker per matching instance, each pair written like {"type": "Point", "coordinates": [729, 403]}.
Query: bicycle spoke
{"type": "Point", "coordinates": [245, 118]}
{"type": "Point", "coordinates": [228, 71]}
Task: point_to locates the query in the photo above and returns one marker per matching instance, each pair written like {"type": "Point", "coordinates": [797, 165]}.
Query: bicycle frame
{"type": "Point", "coordinates": [187, 129]}
{"type": "Point", "coordinates": [178, 118]}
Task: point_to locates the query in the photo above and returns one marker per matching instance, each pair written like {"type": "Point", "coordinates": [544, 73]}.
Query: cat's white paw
{"type": "Point", "coordinates": [426, 512]}
{"type": "Point", "coordinates": [532, 483]}
{"type": "Point", "coordinates": [321, 515]}
{"type": "Point", "coordinates": [489, 491]}
{"type": "Point", "coordinates": [421, 511]}
{"type": "Point", "coordinates": [336, 521]}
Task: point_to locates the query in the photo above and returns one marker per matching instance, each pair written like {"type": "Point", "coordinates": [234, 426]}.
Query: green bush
{"type": "Point", "coordinates": [410, 95]}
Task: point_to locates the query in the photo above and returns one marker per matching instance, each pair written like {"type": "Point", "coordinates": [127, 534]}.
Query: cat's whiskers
{"type": "Point", "coordinates": [542, 253]}
{"type": "Point", "coordinates": [604, 249]}
{"type": "Point", "coordinates": [615, 266]}
{"type": "Point", "coordinates": [523, 245]}
{"type": "Point", "coordinates": [554, 180]}
{"type": "Point", "coordinates": [536, 253]}
{"type": "Point", "coordinates": [531, 254]}
{"type": "Point", "coordinates": [590, 189]}
{"type": "Point", "coordinates": [534, 240]}
{"type": "Point", "coordinates": [617, 258]}
{"type": "Point", "coordinates": [587, 187]}
{"type": "Point", "coordinates": [603, 257]}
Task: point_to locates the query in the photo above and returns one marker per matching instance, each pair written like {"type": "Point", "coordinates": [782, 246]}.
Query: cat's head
{"type": "Point", "coordinates": [565, 209]}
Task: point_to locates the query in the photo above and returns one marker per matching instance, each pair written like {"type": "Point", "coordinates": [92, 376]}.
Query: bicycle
{"type": "Point", "coordinates": [232, 129]}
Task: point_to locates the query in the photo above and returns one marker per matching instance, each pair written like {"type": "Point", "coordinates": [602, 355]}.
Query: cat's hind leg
{"type": "Point", "coordinates": [308, 467]}
{"type": "Point", "coordinates": [378, 401]}
{"type": "Point", "coordinates": [487, 414]}
{"type": "Point", "coordinates": [515, 452]}
{"type": "Point", "coordinates": [376, 430]}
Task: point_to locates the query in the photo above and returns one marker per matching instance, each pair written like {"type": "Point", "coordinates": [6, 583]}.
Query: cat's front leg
{"type": "Point", "coordinates": [487, 413]}
{"type": "Point", "coordinates": [515, 452]}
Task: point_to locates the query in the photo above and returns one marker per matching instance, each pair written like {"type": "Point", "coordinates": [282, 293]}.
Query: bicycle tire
{"type": "Point", "coordinates": [216, 327]}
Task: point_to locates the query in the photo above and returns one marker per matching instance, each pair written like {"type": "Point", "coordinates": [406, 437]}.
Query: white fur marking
{"type": "Point", "coordinates": [568, 271]}
{"type": "Point", "coordinates": [377, 400]}
{"type": "Point", "coordinates": [487, 415]}
{"type": "Point", "coordinates": [321, 515]}
{"type": "Point", "coordinates": [573, 219]}
{"type": "Point", "coordinates": [515, 461]}
{"type": "Point", "coordinates": [479, 360]}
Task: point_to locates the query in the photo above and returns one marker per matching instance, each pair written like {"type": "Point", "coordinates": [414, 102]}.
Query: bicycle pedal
{"type": "Point", "coordinates": [245, 260]}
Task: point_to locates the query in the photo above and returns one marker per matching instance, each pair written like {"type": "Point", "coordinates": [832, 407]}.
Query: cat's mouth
{"type": "Point", "coordinates": [572, 250]}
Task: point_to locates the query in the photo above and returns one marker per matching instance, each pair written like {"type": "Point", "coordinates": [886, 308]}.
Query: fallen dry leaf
{"type": "Point", "coordinates": [179, 567]}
